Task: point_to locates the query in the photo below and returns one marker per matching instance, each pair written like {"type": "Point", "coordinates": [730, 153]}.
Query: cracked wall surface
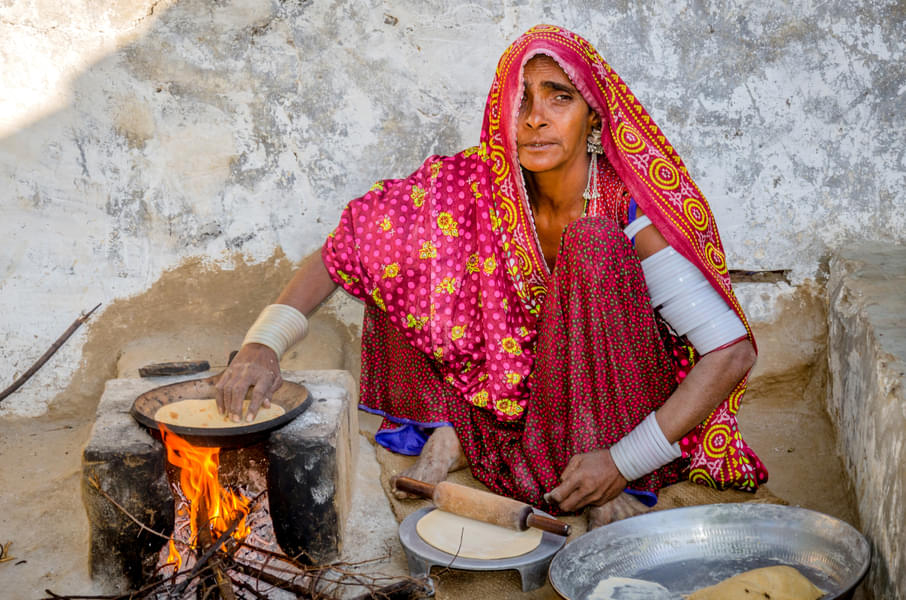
{"type": "Point", "coordinates": [138, 135]}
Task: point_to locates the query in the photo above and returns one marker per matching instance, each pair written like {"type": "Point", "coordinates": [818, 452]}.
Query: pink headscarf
{"type": "Point", "coordinates": [451, 254]}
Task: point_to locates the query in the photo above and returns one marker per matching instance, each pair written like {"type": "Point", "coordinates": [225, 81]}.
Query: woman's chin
{"type": "Point", "coordinates": [537, 164]}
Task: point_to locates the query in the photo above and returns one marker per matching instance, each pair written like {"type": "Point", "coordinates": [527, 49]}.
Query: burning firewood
{"type": "Point", "coordinates": [223, 546]}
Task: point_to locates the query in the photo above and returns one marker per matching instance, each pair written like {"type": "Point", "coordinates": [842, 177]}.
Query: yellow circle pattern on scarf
{"type": "Point", "coordinates": [715, 258]}
{"type": "Point", "coordinates": [717, 439]}
{"type": "Point", "coordinates": [702, 477]}
{"type": "Point", "coordinates": [663, 174]}
{"type": "Point", "coordinates": [696, 213]}
{"type": "Point", "coordinates": [734, 398]}
{"type": "Point", "coordinates": [629, 139]}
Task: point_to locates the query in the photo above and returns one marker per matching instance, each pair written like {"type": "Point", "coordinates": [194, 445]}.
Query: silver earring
{"type": "Point", "coordinates": [591, 194]}
{"type": "Point", "coordinates": [593, 142]}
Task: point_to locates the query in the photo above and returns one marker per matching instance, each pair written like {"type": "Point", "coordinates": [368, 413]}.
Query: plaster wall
{"type": "Point", "coordinates": [137, 135]}
{"type": "Point", "coordinates": [866, 398]}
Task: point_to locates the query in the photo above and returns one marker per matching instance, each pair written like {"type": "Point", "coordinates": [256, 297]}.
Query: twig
{"type": "Point", "coordinates": [58, 597]}
{"type": "Point", "coordinates": [93, 480]}
{"type": "Point", "coordinates": [298, 590]}
{"type": "Point", "coordinates": [245, 586]}
{"type": "Point", "coordinates": [4, 552]}
{"type": "Point", "coordinates": [213, 548]}
{"type": "Point", "coordinates": [204, 539]}
{"type": "Point", "coordinates": [402, 590]}
{"type": "Point", "coordinates": [46, 356]}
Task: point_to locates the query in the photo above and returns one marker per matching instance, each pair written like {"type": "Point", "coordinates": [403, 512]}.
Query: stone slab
{"type": "Point", "coordinates": [867, 400]}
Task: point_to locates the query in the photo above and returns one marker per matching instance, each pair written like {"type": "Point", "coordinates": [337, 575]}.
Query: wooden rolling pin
{"type": "Point", "coordinates": [482, 506]}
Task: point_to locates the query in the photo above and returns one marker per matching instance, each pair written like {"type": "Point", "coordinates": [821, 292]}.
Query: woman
{"type": "Point", "coordinates": [508, 313]}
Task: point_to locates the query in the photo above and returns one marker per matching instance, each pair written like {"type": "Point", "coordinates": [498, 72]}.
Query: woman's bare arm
{"type": "Point", "coordinates": [714, 376]}
{"type": "Point", "coordinates": [257, 366]}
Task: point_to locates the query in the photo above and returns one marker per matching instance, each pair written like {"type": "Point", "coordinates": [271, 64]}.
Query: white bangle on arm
{"type": "Point", "coordinates": [643, 450]}
{"type": "Point", "coordinates": [278, 327]}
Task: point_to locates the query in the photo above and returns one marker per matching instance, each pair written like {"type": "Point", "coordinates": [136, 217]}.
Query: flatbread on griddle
{"type": "Point", "coordinates": [202, 412]}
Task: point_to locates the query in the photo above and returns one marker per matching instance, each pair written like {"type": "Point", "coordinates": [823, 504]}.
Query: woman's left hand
{"type": "Point", "coordinates": [591, 478]}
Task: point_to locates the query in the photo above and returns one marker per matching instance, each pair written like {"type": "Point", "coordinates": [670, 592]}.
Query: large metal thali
{"type": "Point", "coordinates": [686, 549]}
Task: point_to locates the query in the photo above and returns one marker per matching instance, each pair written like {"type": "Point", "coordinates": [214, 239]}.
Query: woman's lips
{"type": "Point", "coordinates": [537, 145]}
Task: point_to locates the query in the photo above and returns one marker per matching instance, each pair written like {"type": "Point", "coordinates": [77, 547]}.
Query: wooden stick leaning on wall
{"type": "Point", "coordinates": [46, 356]}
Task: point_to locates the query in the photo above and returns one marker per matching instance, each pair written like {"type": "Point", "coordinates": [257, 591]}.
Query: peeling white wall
{"type": "Point", "coordinates": [134, 134]}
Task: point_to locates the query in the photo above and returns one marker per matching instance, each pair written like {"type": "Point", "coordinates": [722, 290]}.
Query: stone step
{"type": "Point", "coordinates": [867, 399]}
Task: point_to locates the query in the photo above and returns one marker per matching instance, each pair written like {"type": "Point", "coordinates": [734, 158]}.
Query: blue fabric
{"type": "Point", "coordinates": [406, 439]}
{"type": "Point", "coordinates": [633, 207]}
{"type": "Point", "coordinates": [409, 438]}
{"type": "Point", "coordinates": [649, 499]}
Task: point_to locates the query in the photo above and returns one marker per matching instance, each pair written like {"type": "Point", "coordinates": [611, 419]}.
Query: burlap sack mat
{"type": "Point", "coordinates": [506, 584]}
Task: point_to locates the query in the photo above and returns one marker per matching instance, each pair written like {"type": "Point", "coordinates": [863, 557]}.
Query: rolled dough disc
{"type": "Point", "coordinates": [623, 588]}
{"type": "Point", "coordinates": [444, 531]}
{"type": "Point", "coordinates": [202, 412]}
{"type": "Point", "coordinates": [777, 583]}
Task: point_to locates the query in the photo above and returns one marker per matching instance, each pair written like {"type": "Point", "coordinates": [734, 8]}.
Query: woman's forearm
{"type": "Point", "coordinates": [715, 375]}
{"type": "Point", "coordinates": [310, 286]}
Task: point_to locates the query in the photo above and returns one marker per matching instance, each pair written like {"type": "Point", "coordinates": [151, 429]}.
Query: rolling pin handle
{"type": "Point", "coordinates": [414, 486]}
{"type": "Point", "coordinates": [548, 524]}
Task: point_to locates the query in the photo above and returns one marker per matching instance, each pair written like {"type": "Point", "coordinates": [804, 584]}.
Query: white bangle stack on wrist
{"type": "Point", "coordinates": [643, 450]}
{"type": "Point", "coordinates": [278, 327]}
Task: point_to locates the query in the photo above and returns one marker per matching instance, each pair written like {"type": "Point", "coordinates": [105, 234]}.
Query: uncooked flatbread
{"type": "Point", "coordinates": [202, 412]}
{"type": "Point", "coordinates": [444, 531]}
{"type": "Point", "coordinates": [777, 583]}
{"type": "Point", "coordinates": [624, 588]}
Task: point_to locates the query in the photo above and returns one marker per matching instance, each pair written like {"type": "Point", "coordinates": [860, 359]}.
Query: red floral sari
{"type": "Point", "coordinates": [467, 327]}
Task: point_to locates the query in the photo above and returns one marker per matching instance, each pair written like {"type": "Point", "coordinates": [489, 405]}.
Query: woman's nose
{"type": "Point", "coordinates": [534, 115]}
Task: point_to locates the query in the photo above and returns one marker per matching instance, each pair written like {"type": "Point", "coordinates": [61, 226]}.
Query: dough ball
{"type": "Point", "coordinates": [768, 583]}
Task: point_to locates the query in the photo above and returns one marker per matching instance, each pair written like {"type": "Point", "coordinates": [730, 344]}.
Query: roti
{"type": "Point", "coordinates": [486, 541]}
{"type": "Point", "coordinates": [778, 583]}
{"type": "Point", "coordinates": [202, 412]}
{"type": "Point", "coordinates": [624, 588]}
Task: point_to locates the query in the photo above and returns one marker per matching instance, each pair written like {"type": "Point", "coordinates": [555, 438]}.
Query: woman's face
{"type": "Point", "coordinates": [554, 120]}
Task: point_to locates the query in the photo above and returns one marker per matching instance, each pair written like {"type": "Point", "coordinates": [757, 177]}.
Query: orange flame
{"type": "Point", "coordinates": [198, 480]}
{"type": "Point", "coordinates": [174, 559]}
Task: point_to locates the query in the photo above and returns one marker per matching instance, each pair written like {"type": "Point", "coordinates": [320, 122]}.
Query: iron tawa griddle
{"type": "Point", "coordinates": [532, 566]}
{"type": "Point", "coordinates": [685, 549]}
{"type": "Point", "coordinates": [292, 397]}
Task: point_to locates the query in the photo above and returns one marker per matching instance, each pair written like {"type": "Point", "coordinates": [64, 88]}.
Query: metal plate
{"type": "Point", "coordinates": [292, 397]}
{"type": "Point", "coordinates": [686, 549]}
{"type": "Point", "coordinates": [532, 566]}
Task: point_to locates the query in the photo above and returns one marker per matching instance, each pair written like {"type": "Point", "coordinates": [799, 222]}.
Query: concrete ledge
{"type": "Point", "coordinates": [867, 400]}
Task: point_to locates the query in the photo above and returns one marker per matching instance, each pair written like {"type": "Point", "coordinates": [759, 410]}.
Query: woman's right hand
{"type": "Point", "coordinates": [255, 366]}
